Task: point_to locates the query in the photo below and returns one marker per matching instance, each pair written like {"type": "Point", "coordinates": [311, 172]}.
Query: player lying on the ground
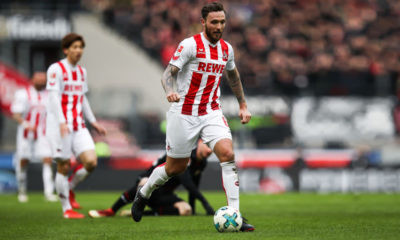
{"type": "Point", "coordinates": [164, 201]}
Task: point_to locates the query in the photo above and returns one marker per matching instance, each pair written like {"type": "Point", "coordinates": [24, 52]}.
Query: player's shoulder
{"type": "Point", "coordinates": [55, 67]}
{"type": "Point", "coordinates": [223, 41]}
{"type": "Point", "coordinates": [188, 42]}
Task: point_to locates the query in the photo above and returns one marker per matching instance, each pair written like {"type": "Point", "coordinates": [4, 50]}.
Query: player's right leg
{"type": "Point", "coordinates": [62, 188]}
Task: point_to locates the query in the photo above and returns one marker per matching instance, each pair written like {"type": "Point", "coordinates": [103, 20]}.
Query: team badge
{"type": "Point", "coordinates": [177, 53]}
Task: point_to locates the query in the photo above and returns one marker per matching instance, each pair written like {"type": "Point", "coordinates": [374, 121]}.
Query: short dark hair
{"type": "Point", "coordinates": [211, 7]}
{"type": "Point", "coordinates": [70, 38]}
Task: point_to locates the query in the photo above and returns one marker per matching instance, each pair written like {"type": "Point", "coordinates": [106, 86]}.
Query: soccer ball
{"type": "Point", "coordinates": [228, 219]}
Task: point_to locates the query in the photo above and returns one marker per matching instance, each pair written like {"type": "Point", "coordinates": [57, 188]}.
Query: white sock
{"type": "Point", "coordinates": [21, 174]}
{"type": "Point", "coordinates": [62, 189]}
{"type": "Point", "coordinates": [157, 178]}
{"type": "Point", "coordinates": [78, 177]}
{"type": "Point", "coordinates": [230, 182]}
{"type": "Point", "coordinates": [48, 183]}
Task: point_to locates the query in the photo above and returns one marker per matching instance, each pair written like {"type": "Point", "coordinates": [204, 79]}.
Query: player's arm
{"type": "Point", "coordinates": [18, 106]}
{"type": "Point", "coordinates": [168, 80]}
{"type": "Point", "coordinates": [87, 111]}
{"type": "Point", "coordinates": [235, 84]}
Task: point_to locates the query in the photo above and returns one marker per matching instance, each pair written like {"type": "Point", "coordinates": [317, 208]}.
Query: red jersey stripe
{"type": "Point", "coordinates": [81, 113]}
{"type": "Point", "coordinates": [225, 51]}
{"type": "Point", "coordinates": [214, 52]}
{"type": "Point", "coordinates": [28, 91]}
{"type": "Point", "coordinates": [214, 104]}
{"type": "Point", "coordinates": [36, 125]}
{"type": "Point", "coordinates": [75, 113]}
{"type": "Point", "coordinates": [74, 76]}
{"type": "Point", "coordinates": [206, 95]}
{"type": "Point", "coordinates": [189, 98]}
{"type": "Point", "coordinates": [64, 71]}
{"type": "Point", "coordinates": [201, 52]}
{"type": "Point", "coordinates": [28, 119]}
{"type": "Point", "coordinates": [64, 105]}
{"type": "Point", "coordinates": [81, 71]}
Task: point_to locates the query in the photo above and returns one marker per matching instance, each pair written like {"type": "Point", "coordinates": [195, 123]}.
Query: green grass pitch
{"type": "Point", "coordinates": [287, 216]}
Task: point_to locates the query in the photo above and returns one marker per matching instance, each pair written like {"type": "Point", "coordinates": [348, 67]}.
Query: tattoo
{"type": "Point", "coordinates": [236, 84]}
{"type": "Point", "coordinates": [169, 78]}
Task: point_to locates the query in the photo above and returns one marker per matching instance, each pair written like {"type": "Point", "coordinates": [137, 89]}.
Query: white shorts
{"type": "Point", "coordinates": [183, 132]}
{"type": "Point", "coordinates": [33, 150]}
{"type": "Point", "coordinates": [75, 143]}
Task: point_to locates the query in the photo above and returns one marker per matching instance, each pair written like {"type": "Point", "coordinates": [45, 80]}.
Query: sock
{"type": "Point", "coordinates": [62, 189]}
{"type": "Point", "coordinates": [230, 182]}
{"type": "Point", "coordinates": [48, 183]}
{"type": "Point", "coordinates": [124, 199]}
{"type": "Point", "coordinates": [79, 174]}
{"type": "Point", "coordinates": [157, 178]}
{"type": "Point", "coordinates": [21, 178]}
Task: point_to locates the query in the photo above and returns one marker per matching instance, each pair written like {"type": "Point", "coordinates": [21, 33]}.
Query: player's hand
{"type": "Point", "coordinates": [244, 114]}
{"type": "Point", "coordinates": [173, 97]}
{"type": "Point", "coordinates": [99, 129]}
{"type": "Point", "coordinates": [28, 126]}
{"type": "Point", "coordinates": [64, 129]}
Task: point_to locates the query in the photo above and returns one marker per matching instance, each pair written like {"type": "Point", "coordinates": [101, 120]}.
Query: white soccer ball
{"type": "Point", "coordinates": [228, 219]}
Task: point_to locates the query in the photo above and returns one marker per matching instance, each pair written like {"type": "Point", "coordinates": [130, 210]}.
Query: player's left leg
{"type": "Point", "coordinates": [83, 147]}
{"type": "Point", "coordinates": [218, 136]}
{"type": "Point", "coordinates": [48, 183]}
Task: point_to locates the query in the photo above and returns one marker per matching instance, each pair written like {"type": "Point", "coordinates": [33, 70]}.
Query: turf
{"type": "Point", "coordinates": [288, 216]}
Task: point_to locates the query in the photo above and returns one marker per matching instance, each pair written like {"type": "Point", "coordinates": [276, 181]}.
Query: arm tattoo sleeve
{"type": "Point", "coordinates": [235, 84]}
{"type": "Point", "coordinates": [169, 78]}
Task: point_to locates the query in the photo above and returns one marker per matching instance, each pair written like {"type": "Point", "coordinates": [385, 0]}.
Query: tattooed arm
{"type": "Point", "coordinates": [237, 88]}
{"type": "Point", "coordinates": [168, 79]}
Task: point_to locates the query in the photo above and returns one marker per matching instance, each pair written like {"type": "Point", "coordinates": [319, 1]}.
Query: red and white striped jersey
{"type": "Point", "coordinates": [201, 65]}
{"type": "Point", "coordinates": [71, 83]}
{"type": "Point", "coordinates": [32, 105]}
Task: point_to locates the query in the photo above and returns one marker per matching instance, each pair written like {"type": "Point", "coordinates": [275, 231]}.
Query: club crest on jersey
{"type": "Point", "coordinates": [225, 55]}
{"type": "Point", "coordinates": [177, 53]}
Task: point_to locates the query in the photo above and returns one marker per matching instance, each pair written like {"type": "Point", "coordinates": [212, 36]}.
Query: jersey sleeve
{"type": "Point", "coordinates": [183, 54]}
{"type": "Point", "coordinates": [19, 102]}
{"type": "Point", "coordinates": [54, 78]}
{"type": "Point", "coordinates": [230, 65]}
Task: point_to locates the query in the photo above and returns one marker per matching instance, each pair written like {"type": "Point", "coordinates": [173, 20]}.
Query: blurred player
{"type": "Point", "coordinates": [164, 201]}
{"type": "Point", "coordinates": [29, 110]}
{"type": "Point", "coordinates": [67, 85]}
{"type": "Point", "coordinates": [196, 69]}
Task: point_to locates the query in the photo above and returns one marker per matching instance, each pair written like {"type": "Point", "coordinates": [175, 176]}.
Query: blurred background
{"type": "Point", "coordinates": [321, 78]}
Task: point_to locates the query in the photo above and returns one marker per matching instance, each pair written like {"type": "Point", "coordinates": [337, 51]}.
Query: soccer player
{"type": "Point", "coordinates": [67, 86]}
{"type": "Point", "coordinates": [196, 69]}
{"type": "Point", "coordinates": [164, 201]}
{"type": "Point", "coordinates": [29, 111]}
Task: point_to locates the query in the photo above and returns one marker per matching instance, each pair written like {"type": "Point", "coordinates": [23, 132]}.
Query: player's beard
{"type": "Point", "coordinates": [210, 35]}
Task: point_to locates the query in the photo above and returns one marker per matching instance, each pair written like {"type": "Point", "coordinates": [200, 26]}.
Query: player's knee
{"type": "Point", "coordinates": [63, 167]}
{"type": "Point", "coordinates": [227, 155]}
{"type": "Point", "coordinates": [90, 164]}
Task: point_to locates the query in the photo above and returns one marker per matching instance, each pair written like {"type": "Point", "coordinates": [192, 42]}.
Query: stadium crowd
{"type": "Point", "coordinates": [289, 47]}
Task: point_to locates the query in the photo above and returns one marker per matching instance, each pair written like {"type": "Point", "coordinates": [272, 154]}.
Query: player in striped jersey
{"type": "Point", "coordinates": [29, 110]}
{"type": "Point", "coordinates": [196, 69]}
{"type": "Point", "coordinates": [67, 86]}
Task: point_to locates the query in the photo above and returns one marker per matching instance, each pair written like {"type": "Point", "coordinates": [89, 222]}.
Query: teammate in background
{"type": "Point", "coordinates": [29, 110]}
{"type": "Point", "coordinates": [67, 85]}
{"type": "Point", "coordinates": [196, 69]}
{"type": "Point", "coordinates": [164, 201]}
